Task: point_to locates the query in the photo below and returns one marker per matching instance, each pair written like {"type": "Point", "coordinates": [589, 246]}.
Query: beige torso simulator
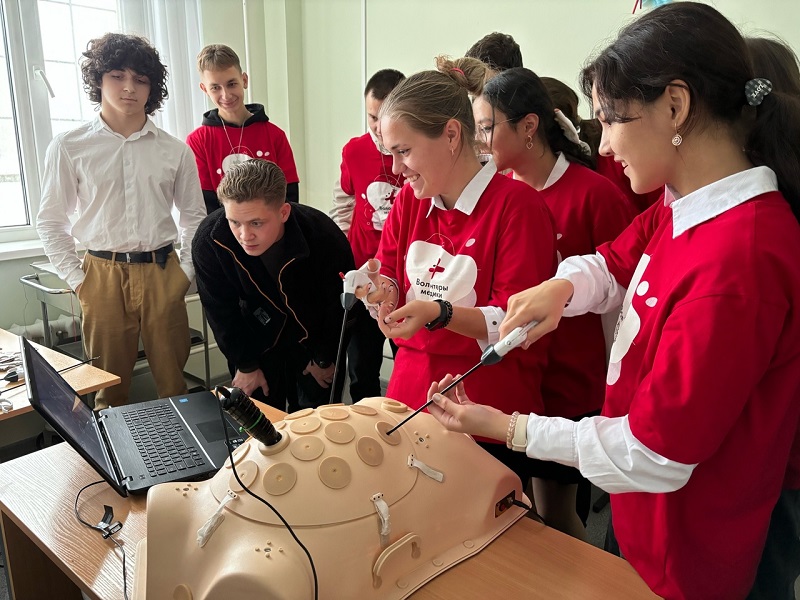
{"type": "Point", "coordinates": [380, 514]}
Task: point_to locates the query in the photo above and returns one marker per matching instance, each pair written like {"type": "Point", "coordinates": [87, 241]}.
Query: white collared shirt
{"type": "Point", "coordinates": [466, 203]}
{"type": "Point", "coordinates": [468, 199]}
{"type": "Point", "coordinates": [561, 166]}
{"type": "Point", "coordinates": [122, 190]}
{"type": "Point", "coordinates": [712, 200]}
{"type": "Point", "coordinates": [604, 448]}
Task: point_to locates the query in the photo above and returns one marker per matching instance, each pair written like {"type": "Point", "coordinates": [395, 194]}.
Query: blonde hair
{"type": "Point", "coordinates": [427, 100]}
{"type": "Point", "coordinates": [217, 57]}
{"type": "Point", "coordinates": [253, 180]}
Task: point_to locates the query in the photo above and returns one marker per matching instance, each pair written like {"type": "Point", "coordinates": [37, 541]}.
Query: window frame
{"type": "Point", "coordinates": [29, 98]}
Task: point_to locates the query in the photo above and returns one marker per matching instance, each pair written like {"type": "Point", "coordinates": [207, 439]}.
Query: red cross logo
{"type": "Point", "coordinates": [436, 268]}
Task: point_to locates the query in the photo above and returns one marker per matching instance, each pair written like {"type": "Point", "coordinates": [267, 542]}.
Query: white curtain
{"type": "Point", "coordinates": [173, 27]}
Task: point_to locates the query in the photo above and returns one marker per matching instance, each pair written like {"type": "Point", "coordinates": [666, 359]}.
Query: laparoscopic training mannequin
{"type": "Point", "coordinates": [379, 513]}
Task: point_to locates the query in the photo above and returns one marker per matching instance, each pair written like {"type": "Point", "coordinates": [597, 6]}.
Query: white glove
{"type": "Point", "coordinates": [358, 284]}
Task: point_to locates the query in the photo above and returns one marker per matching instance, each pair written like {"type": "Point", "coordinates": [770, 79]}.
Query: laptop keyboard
{"type": "Point", "coordinates": [157, 433]}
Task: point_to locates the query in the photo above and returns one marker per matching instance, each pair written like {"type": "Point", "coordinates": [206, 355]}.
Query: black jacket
{"type": "Point", "coordinates": [249, 312]}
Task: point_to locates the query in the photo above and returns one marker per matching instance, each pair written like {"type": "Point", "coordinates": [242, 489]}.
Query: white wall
{"type": "Point", "coordinates": [315, 71]}
{"type": "Point", "coordinates": [306, 67]}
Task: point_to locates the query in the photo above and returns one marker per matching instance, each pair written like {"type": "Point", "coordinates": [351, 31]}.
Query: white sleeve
{"type": "Point", "coordinates": [342, 210]}
{"type": "Point", "coordinates": [606, 452]}
{"type": "Point", "coordinates": [59, 200]}
{"type": "Point", "coordinates": [596, 290]}
{"type": "Point", "coordinates": [493, 315]}
{"type": "Point", "coordinates": [189, 201]}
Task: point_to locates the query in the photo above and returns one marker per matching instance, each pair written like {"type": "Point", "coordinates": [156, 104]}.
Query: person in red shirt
{"type": "Point", "coordinates": [459, 240]}
{"type": "Point", "coordinates": [780, 561]}
{"type": "Point", "coordinates": [362, 199]}
{"type": "Point", "coordinates": [517, 121]}
{"type": "Point", "coordinates": [589, 131]}
{"type": "Point", "coordinates": [701, 405]}
{"type": "Point", "coordinates": [234, 132]}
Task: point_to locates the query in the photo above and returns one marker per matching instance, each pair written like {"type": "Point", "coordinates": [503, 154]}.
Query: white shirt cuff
{"type": "Point", "coordinates": [493, 315]}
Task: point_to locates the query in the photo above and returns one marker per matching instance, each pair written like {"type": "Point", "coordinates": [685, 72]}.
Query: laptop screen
{"type": "Point", "coordinates": [52, 396]}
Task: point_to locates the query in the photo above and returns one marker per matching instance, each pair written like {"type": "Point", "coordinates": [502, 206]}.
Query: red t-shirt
{"type": "Point", "coordinates": [706, 363]}
{"type": "Point", "coordinates": [588, 211]}
{"type": "Point", "coordinates": [366, 174]}
{"type": "Point", "coordinates": [215, 148]}
{"type": "Point", "coordinates": [506, 245]}
{"type": "Point", "coordinates": [613, 171]}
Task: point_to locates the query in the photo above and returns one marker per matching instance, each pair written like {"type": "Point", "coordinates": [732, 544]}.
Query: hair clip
{"type": "Point", "coordinates": [756, 89]}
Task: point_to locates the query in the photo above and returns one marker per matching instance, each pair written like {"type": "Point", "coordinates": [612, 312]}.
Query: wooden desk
{"type": "Point", "coordinates": [50, 555]}
{"type": "Point", "coordinates": [83, 379]}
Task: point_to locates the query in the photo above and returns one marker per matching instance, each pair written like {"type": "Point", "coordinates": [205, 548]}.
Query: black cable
{"type": "Point", "coordinates": [105, 535]}
{"type": "Point", "coordinates": [530, 509]}
{"type": "Point", "coordinates": [257, 497]}
{"type": "Point", "coordinates": [22, 383]}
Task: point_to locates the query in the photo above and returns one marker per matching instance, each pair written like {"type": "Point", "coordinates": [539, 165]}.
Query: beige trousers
{"type": "Point", "coordinates": [120, 302]}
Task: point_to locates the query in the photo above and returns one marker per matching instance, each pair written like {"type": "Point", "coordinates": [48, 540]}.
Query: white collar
{"type": "Point", "coordinates": [561, 166]}
{"type": "Point", "coordinates": [714, 199]}
{"type": "Point", "coordinates": [149, 127]}
{"type": "Point", "coordinates": [468, 199]}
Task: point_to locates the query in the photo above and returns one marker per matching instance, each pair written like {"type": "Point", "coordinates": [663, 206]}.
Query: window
{"type": "Point", "coordinates": [14, 208]}
{"type": "Point", "coordinates": [41, 90]}
{"type": "Point", "coordinates": [41, 93]}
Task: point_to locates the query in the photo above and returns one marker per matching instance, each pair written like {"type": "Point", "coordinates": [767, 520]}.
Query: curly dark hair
{"type": "Point", "coordinates": [120, 51]}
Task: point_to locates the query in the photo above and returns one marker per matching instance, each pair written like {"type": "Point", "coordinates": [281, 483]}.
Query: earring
{"type": "Point", "coordinates": [529, 142]}
{"type": "Point", "coordinates": [452, 150]}
{"type": "Point", "coordinates": [677, 139]}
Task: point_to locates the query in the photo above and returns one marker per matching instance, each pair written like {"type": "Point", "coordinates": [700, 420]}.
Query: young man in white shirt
{"type": "Point", "coordinates": [121, 175]}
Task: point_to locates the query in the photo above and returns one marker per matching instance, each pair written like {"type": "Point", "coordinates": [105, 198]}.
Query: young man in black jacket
{"type": "Point", "coordinates": [268, 274]}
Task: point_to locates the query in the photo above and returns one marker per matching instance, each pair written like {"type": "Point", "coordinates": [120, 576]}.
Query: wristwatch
{"type": "Point", "coordinates": [519, 441]}
{"type": "Point", "coordinates": [445, 315]}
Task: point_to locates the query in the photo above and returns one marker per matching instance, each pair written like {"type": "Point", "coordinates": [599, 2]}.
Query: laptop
{"type": "Point", "coordinates": [133, 447]}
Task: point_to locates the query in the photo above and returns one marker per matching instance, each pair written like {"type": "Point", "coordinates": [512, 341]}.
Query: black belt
{"type": "Point", "coordinates": [157, 256]}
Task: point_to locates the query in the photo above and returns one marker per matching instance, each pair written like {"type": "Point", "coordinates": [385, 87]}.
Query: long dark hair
{"type": "Point", "coordinates": [518, 92]}
{"type": "Point", "coordinates": [694, 43]}
{"type": "Point", "coordinates": [566, 100]}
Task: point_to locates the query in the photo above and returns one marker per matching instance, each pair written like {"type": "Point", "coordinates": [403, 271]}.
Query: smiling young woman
{"type": "Point", "coordinates": [460, 239]}
{"type": "Point", "coordinates": [522, 130]}
{"type": "Point", "coordinates": [701, 400]}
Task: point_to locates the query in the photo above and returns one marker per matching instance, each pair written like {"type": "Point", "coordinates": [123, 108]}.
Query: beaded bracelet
{"type": "Point", "coordinates": [512, 424]}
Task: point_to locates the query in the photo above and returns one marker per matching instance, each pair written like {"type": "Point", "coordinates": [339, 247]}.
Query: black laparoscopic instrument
{"type": "Point", "coordinates": [492, 355]}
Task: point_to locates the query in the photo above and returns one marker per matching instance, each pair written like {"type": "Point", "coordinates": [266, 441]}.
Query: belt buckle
{"type": "Point", "coordinates": [127, 257]}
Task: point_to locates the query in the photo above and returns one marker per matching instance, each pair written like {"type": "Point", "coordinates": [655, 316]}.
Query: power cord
{"type": "Point", "coordinates": [259, 498]}
{"type": "Point", "coordinates": [7, 406]}
{"type": "Point", "coordinates": [530, 509]}
{"type": "Point", "coordinates": [107, 528]}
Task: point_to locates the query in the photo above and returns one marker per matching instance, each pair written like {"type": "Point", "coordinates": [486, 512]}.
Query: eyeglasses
{"type": "Point", "coordinates": [485, 132]}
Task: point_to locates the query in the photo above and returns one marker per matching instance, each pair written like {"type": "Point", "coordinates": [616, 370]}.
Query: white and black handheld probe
{"type": "Point", "coordinates": [492, 355]}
